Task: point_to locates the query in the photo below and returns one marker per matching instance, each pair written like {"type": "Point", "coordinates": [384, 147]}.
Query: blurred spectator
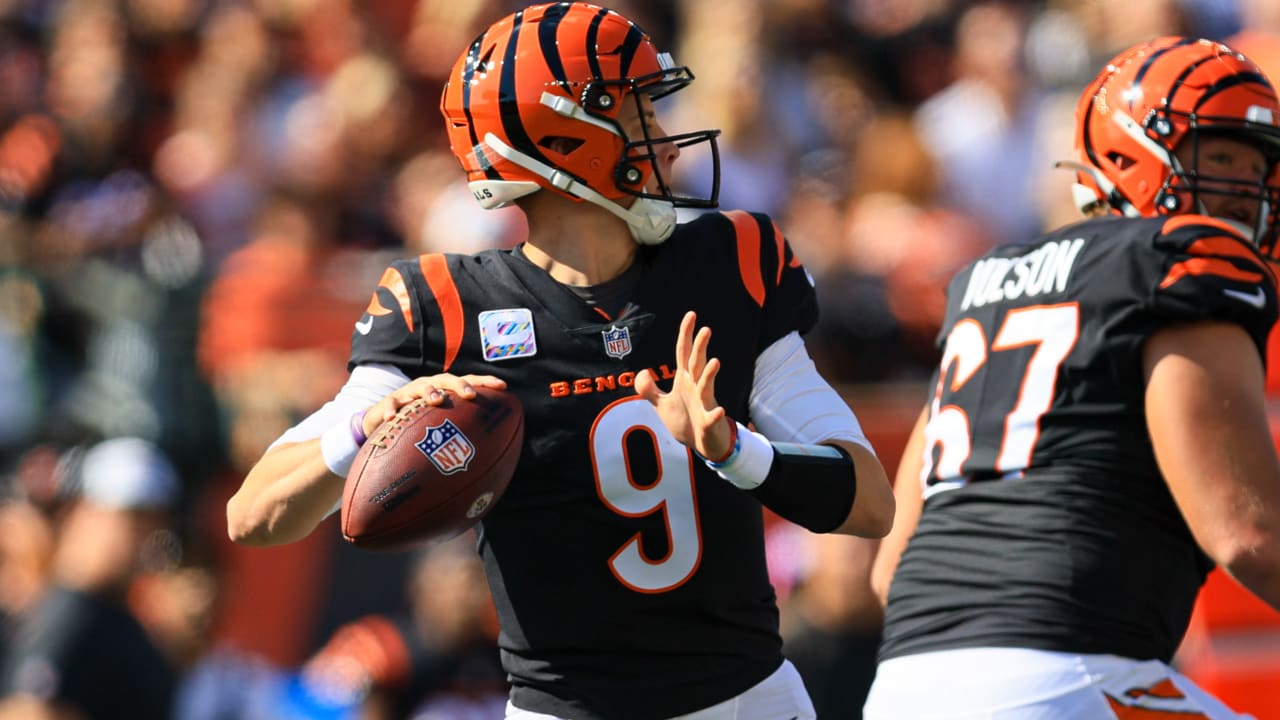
{"type": "Point", "coordinates": [81, 652]}
{"type": "Point", "coordinates": [1112, 26]}
{"type": "Point", "coordinates": [1259, 38]}
{"type": "Point", "coordinates": [216, 681]}
{"type": "Point", "coordinates": [882, 286]}
{"type": "Point", "coordinates": [981, 127]}
{"type": "Point", "coordinates": [730, 95]}
{"type": "Point", "coordinates": [437, 661]}
{"type": "Point", "coordinates": [29, 505]}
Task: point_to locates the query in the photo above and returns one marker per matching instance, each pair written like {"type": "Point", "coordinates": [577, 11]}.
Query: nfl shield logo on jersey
{"type": "Point", "coordinates": [447, 447]}
{"type": "Point", "coordinates": [617, 341]}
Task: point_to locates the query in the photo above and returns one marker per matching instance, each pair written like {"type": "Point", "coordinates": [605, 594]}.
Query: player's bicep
{"type": "Point", "coordinates": [791, 402]}
{"type": "Point", "coordinates": [1208, 423]}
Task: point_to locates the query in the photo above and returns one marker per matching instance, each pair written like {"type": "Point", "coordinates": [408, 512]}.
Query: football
{"type": "Point", "coordinates": [432, 472]}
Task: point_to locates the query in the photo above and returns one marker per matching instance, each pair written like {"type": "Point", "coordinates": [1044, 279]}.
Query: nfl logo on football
{"type": "Point", "coordinates": [617, 341]}
{"type": "Point", "coordinates": [447, 447]}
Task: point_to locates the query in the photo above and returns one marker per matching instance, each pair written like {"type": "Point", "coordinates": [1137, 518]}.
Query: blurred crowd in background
{"type": "Point", "coordinates": [196, 197]}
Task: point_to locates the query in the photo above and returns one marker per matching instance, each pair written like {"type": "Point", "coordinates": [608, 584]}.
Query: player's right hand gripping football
{"type": "Point", "coordinates": [690, 410]}
{"type": "Point", "coordinates": [432, 388]}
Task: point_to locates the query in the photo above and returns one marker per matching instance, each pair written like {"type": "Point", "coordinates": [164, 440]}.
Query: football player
{"type": "Point", "coordinates": [1096, 440]}
{"type": "Point", "coordinates": [626, 559]}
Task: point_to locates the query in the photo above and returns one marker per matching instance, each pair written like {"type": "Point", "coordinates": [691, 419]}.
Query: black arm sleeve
{"type": "Point", "coordinates": [813, 486]}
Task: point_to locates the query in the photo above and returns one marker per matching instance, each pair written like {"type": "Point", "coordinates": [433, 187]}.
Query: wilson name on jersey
{"type": "Point", "coordinates": [625, 573]}
{"type": "Point", "coordinates": [1047, 522]}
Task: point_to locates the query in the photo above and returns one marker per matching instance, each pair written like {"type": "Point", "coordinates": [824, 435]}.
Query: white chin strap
{"type": "Point", "coordinates": [651, 221]}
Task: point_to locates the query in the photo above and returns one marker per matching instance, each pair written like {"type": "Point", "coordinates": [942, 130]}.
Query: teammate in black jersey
{"type": "Point", "coordinates": [1096, 439]}
{"type": "Point", "coordinates": [626, 559]}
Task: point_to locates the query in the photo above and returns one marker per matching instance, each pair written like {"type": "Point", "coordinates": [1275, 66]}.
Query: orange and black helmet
{"type": "Point", "coordinates": [533, 103]}
{"type": "Point", "coordinates": [1158, 95]}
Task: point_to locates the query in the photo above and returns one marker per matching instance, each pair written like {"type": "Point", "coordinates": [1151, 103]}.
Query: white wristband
{"type": "Point", "coordinates": [750, 462]}
{"type": "Point", "coordinates": [339, 448]}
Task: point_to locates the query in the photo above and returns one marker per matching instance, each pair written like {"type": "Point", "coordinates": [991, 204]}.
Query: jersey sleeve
{"type": "Point", "coordinates": [773, 276]}
{"type": "Point", "coordinates": [393, 326]}
{"type": "Point", "coordinates": [1209, 272]}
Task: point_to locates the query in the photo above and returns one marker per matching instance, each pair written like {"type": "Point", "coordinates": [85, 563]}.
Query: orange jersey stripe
{"type": "Point", "coordinates": [780, 241]}
{"type": "Point", "coordinates": [1208, 266]}
{"type": "Point", "coordinates": [1222, 246]}
{"type": "Point", "coordinates": [394, 283]}
{"type": "Point", "coordinates": [436, 271]}
{"type": "Point", "coordinates": [1230, 248]}
{"type": "Point", "coordinates": [1233, 245]}
{"type": "Point", "coordinates": [1178, 222]}
{"type": "Point", "coordinates": [748, 234]}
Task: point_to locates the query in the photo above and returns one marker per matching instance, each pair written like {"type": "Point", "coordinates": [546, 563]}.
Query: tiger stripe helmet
{"type": "Point", "coordinates": [533, 103]}
{"type": "Point", "coordinates": [1157, 95]}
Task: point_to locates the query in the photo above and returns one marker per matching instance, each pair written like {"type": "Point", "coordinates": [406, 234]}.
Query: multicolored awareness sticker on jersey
{"type": "Point", "coordinates": [617, 341]}
{"type": "Point", "coordinates": [447, 447]}
{"type": "Point", "coordinates": [507, 334]}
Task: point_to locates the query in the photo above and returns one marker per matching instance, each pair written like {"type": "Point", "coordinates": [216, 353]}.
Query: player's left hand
{"type": "Point", "coordinates": [690, 410]}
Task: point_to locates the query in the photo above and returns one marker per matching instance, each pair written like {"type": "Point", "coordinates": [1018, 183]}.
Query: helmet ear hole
{"type": "Point", "coordinates": [1120, 160]}
{"type": "Point", "coordinates": [560, 144]}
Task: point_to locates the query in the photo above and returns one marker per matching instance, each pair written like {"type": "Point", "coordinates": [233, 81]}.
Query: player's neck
{"type": "Point", "coordinates": [579, 263]}
{"type": "Point", "coordinates": [577, 243]}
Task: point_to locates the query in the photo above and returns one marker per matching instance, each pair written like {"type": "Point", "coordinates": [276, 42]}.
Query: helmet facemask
{"type": "Point", "coordinates": [1187, 187]}
{"type": "Point", "coordinates": [639, 162]}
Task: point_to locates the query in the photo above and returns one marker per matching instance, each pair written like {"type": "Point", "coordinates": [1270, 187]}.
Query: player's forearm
{"type": "Point", "coordinates": [907, 508]}
{"type": "Point", "coordinates": [813, 485]}
{"type": "Point", "coordinates": [873, 507]}
{"type": "Point", "coordinates": [284, 497]}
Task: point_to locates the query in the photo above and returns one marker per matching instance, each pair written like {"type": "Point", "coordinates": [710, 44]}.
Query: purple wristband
{"type": "Point", "coordinates": [357, 427]}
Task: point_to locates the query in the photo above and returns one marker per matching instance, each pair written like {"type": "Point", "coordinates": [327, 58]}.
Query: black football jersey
{"type": "Point", "coordinates": [630, 580]}
{"type": "Point", "coordinates": [1046, 522]}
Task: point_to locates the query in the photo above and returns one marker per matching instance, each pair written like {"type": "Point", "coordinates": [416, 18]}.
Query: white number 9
{"type": "Point", "coordinates": [670, 493]}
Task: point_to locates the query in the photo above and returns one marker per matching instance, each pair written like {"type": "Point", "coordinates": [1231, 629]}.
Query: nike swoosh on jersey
{"type": "Point", "coordinates": [1257, 299]}
{"type": "Point", "coordinates": [364, 326]}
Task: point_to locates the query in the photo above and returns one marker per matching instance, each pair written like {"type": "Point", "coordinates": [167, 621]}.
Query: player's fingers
{"type": "Point", "coordinates": [647, 386]}
{"type": "Point", "coordinates": [489, 381]}
{"type": "Point", "coordinates": [707, 383]}
{"type": "Point", "coordinates": [430, 388]}
{"type": "Point", "coordinates": [465, 386]}
{"type": "Point", "coordinates": [698, 356]}
{"type": "Point", "coordinates": [684, 339]}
